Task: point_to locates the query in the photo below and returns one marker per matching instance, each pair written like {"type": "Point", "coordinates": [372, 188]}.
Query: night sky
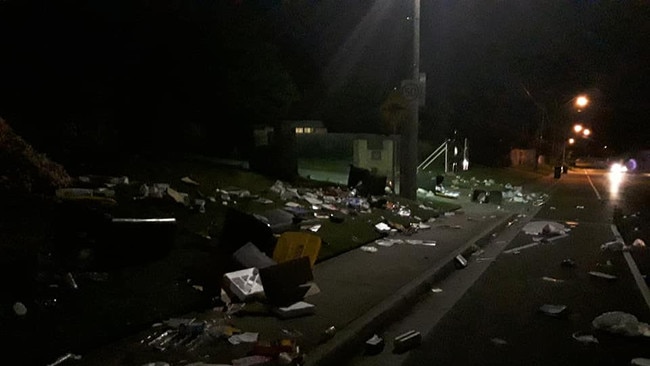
{"type": "Point", "coordinates": [100, 76]}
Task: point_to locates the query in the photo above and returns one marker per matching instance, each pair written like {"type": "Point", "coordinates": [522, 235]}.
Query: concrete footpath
{"type": "Point", "coordinates": [360, 291]}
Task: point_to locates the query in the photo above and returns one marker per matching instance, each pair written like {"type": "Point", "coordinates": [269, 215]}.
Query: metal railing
{"type": "Point", "coordinates": [442, 149]}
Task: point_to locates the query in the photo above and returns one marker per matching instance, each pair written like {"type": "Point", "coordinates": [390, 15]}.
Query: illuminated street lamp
{"type": "Point", "coordinates": [578, 129]}
{"type": "Point", "coordinates": [581, 101]}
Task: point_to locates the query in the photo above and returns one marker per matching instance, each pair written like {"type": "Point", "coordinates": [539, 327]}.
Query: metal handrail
{"type": "Point", "coordinates": [435, 155]}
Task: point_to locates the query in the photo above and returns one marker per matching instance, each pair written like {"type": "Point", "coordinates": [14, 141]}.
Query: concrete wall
{"type": "Point", "coordinates": [338, 146]}
{"type": "Point", "coordinates": [375, 154]}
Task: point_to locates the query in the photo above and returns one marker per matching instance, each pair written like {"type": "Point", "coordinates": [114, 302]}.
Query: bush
{"type": "Point", "coordinates": [26, 170]}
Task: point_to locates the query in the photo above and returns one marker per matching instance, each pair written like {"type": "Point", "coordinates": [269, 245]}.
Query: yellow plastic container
{"type": "Point", "coordinates": [296, 244]}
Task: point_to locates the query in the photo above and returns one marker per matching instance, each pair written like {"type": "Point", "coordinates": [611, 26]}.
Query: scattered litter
{"type": "Point", "coordinates": [189, 180]}
{"type": "Point", "coordinates": [553, 310]}
{"type": "Point", "coordinates": [617, 246]}
{"type": "Point", "coordinates": [546, 228]}
{"type": "Point", "coordinates": [388, 242]}
{"type": "Point", "coordinates": [179, 197]}
{"type": "Point", "coordinates": [291, 333]}
{"type": "Point", "coordinates": [406, 341]}
{"type": "Point", "coordinates": [312, 228]}
{"type": "Point", "coordinates": [295, 244]}
{"type": "Point", "coordinates": [499, 341]}
{"type": "Point", "coordinates": [638, 243]}
{"type": "Point", "coordinates": [551, 279]}
{"type": "Point", "coordinates": [569, 262]}
{"type": "Point", "coordinates": [639, 361]}
{"type": "Point", "coordinates": [247, 337]}
{"type": "Point", "coordinates": [580, 207]}
{"type": "Point", "coordinates": [234, 191]}
{"type": "Point", "coordinates": [295, 310]}
{"type": "Point", "coordinates": [436, 290]}
{"type": "Point", "coordinates": [584, 338]}
{"type": "Point", "coordinates": [19, 308]}
{"type": "Point", "coordinates": [403, 211]}
{"type": "Point", "coordinates": [369, 249]}
{"type": "Point", "coordinates": [460, 261]}
{"type": "Point", "coordinates": [62, 359]}
{"type": "Point", "coordinates": [614, 246]}
{"type": "Point", "coordinates": [621, 323]}
{"type": "Point", "coordinates": [375, 345]}
{"type": "Point", "coordinates": [312, 199]}
{"type": "Point", "coordinates": [328, 334]}
{"type": "Point", "coordinates": [69, 279]}
{"type": "Point", "coordinates": [603, 275]}
{"type": "Point", "coordinates": [245, 283]}
{"type": "Point", "coordinates": [420, 242]}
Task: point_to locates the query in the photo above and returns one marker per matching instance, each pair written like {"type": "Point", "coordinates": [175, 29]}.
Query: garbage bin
{"type": "Point", "coordinates": [557, 172]}
{"type": "Point", "coordinates": [565, 169]}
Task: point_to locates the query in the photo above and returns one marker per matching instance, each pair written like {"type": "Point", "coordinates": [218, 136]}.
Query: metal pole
{"type": "Point", "coordinates": [446, 158]}
{"type": "Point", "coordinates": [408, 174]}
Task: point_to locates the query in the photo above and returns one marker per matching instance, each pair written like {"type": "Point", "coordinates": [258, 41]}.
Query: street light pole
{"type": "Point", "coordinates": [408, 169]}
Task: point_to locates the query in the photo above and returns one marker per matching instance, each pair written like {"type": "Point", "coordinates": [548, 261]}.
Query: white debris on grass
{"type": "Point", "coordinates": [368, 249]}
{"type": "Point", "coordinates": [639, 361]}
{"type": "Point", "coordinates": [617, 245]}
{"type": "Point", "coordinates": [19, 308]}
{"type": "Point", "coordinates": [584, 338]}
{"type": "Point", "coordinates": [246, 337]}
{"type": "Point", "coordinates": [621, 323]}
{"type": "Point", "coordinates": [546, 228]}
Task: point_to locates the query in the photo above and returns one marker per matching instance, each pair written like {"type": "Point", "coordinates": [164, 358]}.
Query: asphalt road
{"type": "Point", "coordinates": [489, 313]}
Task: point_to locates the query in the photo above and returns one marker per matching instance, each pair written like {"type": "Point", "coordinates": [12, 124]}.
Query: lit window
{"type": "Point", "coordinates": [299, 130]}
{"type": "Point", "coordinates": [309, 129]}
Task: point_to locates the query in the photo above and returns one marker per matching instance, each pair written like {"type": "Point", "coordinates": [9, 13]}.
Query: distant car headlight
{"type": "Point", "coordinates": [618, 168]}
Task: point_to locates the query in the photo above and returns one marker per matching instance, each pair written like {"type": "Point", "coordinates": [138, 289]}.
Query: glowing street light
{"type": "Point", "coordinates": [577, 128]}
{"type": "Point", "coordinates": [581, 101]}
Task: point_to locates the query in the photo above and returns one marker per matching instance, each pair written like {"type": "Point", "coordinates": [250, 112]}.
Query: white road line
{"type": "Point", "coordinates": [640, 282]}
{"type": "Point", "coordinates": [592, 184]}
{"type": "Point", "coordinates": [513, 250]}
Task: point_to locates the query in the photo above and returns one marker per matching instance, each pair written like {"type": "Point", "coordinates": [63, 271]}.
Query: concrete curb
{"type": "Point", "coordinates": [348, 340]}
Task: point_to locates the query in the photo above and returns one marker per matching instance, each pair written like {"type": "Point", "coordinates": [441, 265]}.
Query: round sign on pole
{"type": "Point", "coordinates": [410, 90]}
